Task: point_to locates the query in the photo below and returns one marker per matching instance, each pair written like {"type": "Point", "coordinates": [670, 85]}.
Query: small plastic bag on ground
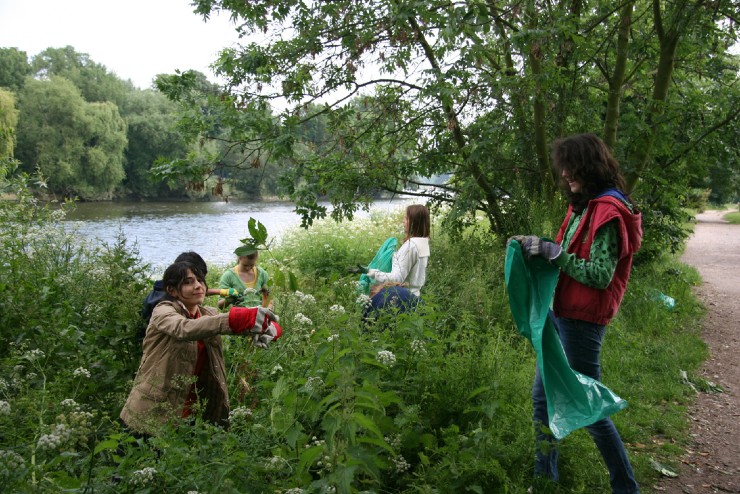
{"type": "Point", "coordinates": [573, 400]}
{"type": "Point", "coordinates": [383, 261]}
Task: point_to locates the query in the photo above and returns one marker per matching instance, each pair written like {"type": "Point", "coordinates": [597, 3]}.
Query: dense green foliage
{"type": "Point", "coordinates": [8, 123]}
{"type": "Point", "coordinates": [474, 92]}
{"type": "Point", "coordinates": [77, 145]}
{"type": "Point", "coordinates": [14, 68]}
{"type": "Point", "coordinates": [95, 136]}
{"type": "Point", "coordinates": [433, 401]}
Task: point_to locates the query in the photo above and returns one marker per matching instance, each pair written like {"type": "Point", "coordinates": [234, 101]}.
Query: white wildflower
{"type": "Point", "coordinates": [386, 358]}
{"type": "Point", "coordinates": [70, 403]}
{"type": "Point", "coordinates": [314, 383]}
{"type": "Point", "coordinates": [276, 462]}
{"type": "Point", "coordinates": [34, 354]}
{"type": "Point", "coordinates": [277, 368]}
{"type": "Point", "coordinates": [332, 338]}
{"type": "Point", "coordinates": [143, 476]}
{"type": "Point", "coordinates": [363, 300]}
{"type": "Point", "coordinates": [304, 297]}
{"type": "Point", "coordinates": [302, 320]}
{"type": "Point", "coordinates": [401, 464]}
{"type": "Point", "coordinates": [240, 413]}
{"type": "Point", "coordinates": [57, 438]}
{"type": "Point", "coordinates": [4, 407]}
{"type": "Point", "coordinates": [315, 441]}
{"type": "Point", "coordinates": [3, 385]}
{"type": "Point", "coordinates": [10, 463]}
{"type": "Point", "coordinates": [337, 308]}
{"type": "Point", "coordinates": [81, 372]}
{"type": "Point", "coordinates": [418, 346]}
{"type": "Point", "coordinates": [295, 490]}
{"type": "Point", "coordinates": [394, 442]}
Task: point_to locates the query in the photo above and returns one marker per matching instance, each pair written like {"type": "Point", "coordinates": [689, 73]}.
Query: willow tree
{"type": "Point", "coordinates": [77, 146]}
{"type": "Point", "coordinates": [472, 91]}
{"type": "Point", "coordinates": [8, 122]}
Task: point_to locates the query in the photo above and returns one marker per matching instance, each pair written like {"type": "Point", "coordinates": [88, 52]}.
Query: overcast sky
{"type": "Point", "coordinates": [135, 39]}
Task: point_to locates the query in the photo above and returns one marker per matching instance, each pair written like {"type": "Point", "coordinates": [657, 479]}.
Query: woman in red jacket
{"type": "Point", "coordinates": [593, 249]}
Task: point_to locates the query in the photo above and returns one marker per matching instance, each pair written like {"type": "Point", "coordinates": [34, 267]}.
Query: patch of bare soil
{"type": "Point", "coordinates": [711, 463]}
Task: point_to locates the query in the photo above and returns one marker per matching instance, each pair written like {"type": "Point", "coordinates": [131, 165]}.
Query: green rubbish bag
{"type": "Point", "coordinates": [573, 400]}
{"type": "Point", "coordinates": [383, 261]}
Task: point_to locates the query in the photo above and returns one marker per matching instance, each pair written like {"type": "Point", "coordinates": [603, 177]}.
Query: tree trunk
{"type": "Point", "coordinates": [655, 108]}
{"type": "Point", "coordinates": [616, 81]}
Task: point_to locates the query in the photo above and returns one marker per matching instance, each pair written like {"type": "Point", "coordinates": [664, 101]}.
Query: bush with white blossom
{"type": "Point", "coordinates": [11, 464]}
{"type": "Point", "coordinates": [144, 476]}
{"type": "Point", "coordinates": [386, 358]}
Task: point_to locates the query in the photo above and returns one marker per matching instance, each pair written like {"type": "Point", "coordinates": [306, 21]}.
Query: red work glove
{"type": "Point", "coordinates": [260, 322]}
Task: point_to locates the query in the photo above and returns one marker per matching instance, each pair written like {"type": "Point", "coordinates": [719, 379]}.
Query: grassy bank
{"type": "Point", "coordinates": [434, 401]}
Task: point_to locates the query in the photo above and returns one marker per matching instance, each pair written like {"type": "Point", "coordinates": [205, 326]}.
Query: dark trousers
{"type": "Point", "coordinates": [582, 344]}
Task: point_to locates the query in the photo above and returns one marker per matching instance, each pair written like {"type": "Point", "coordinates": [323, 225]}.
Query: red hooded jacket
{"type": "Point", "coordinates": [573, 299]}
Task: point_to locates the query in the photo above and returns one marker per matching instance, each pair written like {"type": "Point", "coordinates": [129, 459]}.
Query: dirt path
{"type": "Point", "coordinates": [712, 461]}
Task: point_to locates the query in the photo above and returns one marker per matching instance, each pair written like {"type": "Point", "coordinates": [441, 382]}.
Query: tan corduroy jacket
{"type": "Point", "coordinates": [165, 374]}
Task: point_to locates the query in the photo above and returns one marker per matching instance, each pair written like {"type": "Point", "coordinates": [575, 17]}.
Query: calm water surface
{"type": "Point", "coordinates": [162, 230]}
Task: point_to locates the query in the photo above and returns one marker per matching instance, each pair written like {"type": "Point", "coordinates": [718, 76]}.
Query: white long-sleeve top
{"type": "Point", "coordinates": [409, 265]}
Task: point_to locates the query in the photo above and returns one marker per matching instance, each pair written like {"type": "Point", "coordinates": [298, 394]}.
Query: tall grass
{"type": "Point", "coordinates": [437, 400]}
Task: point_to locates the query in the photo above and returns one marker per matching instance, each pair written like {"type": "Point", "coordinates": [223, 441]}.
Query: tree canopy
{"type": "Point", "coordinates": [14, 68]}
{"type": "Point", "coordinates": [8, 122]}
{"type": "Point", "coordinates": [77, 146]}
{"type": "Point", "coordinates": [475, 91]}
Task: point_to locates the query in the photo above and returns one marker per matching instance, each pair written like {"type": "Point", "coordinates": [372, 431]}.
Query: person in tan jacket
{"type": "Point", "coordinates": [183, 363]}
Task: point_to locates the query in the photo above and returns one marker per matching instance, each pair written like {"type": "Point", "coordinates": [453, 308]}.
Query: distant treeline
{"type": "Point", "coordinates": [94, 136]}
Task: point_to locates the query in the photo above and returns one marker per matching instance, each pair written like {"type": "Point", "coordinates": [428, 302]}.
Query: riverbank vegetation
{"type": "Point", "coordinates": [432, 401]}
{"type": "Point", "coordinates": [94, 136]}
{"type": "Point", "coordinates": [455, 103]}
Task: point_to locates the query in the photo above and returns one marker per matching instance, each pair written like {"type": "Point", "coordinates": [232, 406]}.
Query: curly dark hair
{"type": "Point", "coordinates": [586, 158]}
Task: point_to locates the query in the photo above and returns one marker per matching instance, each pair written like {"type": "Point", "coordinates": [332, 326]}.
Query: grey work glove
{"type": "Point", "coordinates": [372, 273]}
{"type": "Point", "coordinates": [264, 339]}
{"type": "Point", "coordinates": [532, 245]}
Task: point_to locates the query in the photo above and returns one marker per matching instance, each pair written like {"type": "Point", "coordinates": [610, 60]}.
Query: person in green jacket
{"type": "Point", "coordinates": [249, 280]}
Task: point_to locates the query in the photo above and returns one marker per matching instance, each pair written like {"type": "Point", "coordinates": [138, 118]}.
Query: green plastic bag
{"type": "Point", "coordinates": [383, 261]}
{"type": "Point", "coordinates": [573, 400]}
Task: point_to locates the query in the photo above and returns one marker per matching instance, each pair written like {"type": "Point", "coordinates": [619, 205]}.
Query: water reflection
{"type": "Point", "coordinates": [162, 230]}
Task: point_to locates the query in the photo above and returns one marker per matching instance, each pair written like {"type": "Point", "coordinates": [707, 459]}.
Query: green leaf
{"type": "Point", "coordinates": [377, 442]}
{"type": "Point", "coordinates": [293, 281]}
{"type": "Point", "coordinates": [108, 444]}
{"type": "Point", "coordinates": [279, 279]}
{"type": "Point", "coordinates": [367, 423]}
{"type": "Point", "coordinates": [309, 456]}
{"type": "Point", "coordinates": [477, 391]}
{"type": "Point", "coordinates": [245, 250]}
{"type": "Point", "coordinates": [258, 231]}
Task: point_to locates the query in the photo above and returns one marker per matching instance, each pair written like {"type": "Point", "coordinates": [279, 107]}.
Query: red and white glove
{"type": "Point", "coordinates": [259, 321]}
{"type": "Point", "coordinates": [272, 333]}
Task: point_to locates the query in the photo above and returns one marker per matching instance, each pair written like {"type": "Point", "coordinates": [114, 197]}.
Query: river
{"type": "Point", "coordinates": [162, 230]}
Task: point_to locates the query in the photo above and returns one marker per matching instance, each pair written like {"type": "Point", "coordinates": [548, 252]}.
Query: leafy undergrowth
{"type": "Point", "coordinates": [433, 401]}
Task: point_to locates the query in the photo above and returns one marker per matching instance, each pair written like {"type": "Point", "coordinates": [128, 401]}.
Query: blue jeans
{"type": "Point", "coordinates": [396, 298]}
{"type": "Point", "coordinates": [582, 344]}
